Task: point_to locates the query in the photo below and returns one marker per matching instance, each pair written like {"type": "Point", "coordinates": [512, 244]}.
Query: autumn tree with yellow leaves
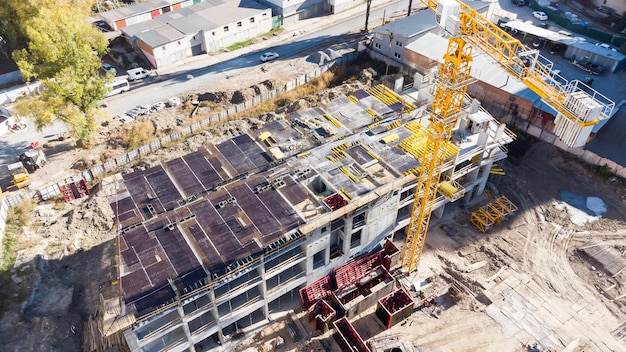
{"type": "Point", "coordinates": [63, 51]}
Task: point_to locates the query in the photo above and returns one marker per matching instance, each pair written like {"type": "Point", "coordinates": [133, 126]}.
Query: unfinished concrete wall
{"type": "Point", "coordinates": [363, 294]}
{"type": "Point", "coordinates": [394, 308]}
{"type": "Point", "coordinates": [348, 338]}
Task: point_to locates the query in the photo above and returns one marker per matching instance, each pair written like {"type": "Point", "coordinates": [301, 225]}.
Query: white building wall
{"type": "Point", "coordinates": [219, 38]}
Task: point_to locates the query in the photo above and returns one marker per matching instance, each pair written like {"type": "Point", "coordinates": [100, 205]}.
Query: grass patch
{"type": "Point", "coordinates": [138, 134]}
{"type": "Point", "coordinates": [17, 217]}
{"type": "Point", "coordinates": [242, 44]}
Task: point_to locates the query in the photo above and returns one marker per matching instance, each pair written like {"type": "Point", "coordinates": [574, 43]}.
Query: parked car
{"type": "Point", "coordinates": [143, 109]}
{"type": "Point", "coordinates": [269, 56]}
{"type": "Point", "coordinates": [557, 48]}
{"type": "Point", "coordinates": [157, 106]}
{"type": "Point", "coordinates": [606, 46]}
{"type": "Point", "coordinates": [589, 67]}
{"type": "Point", "coordinates": [540, 15]}
{"type": "Point", "coordinates": [109, 69]}
{"type": "Point", "coordinates": [102, 26]}
{"type": "Point", "coordinates": [173, 101]}
{"type": "Point", "coordinates": [132, 113]}
{"type": "Point", "coordinates": [543, 25]}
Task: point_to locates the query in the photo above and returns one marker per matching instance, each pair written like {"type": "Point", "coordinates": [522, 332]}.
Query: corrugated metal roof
{"type": "Point", "coordinates": [410, 26]}
{"type": "Point", "coordinates": [600, 51]}
{"type": "Point", "coordinates": [160, 36]}
{"type": "Point", "coordinates": [136, 9]}
{"type": "Point", "coordinates": [190, 20]}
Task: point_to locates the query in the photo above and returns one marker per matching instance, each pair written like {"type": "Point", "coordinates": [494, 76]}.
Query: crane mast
{"type": "Point", "coordinates": [452, 81]}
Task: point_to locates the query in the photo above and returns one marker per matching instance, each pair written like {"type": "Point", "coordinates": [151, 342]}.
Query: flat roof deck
{"type": "Point", "coordinates": [193, 217]}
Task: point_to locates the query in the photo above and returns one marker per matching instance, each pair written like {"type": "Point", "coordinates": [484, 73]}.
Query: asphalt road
{"type": "Point", "coordinates": [153, 90]}
{"type": "Point", "coordinates": [180, 84]}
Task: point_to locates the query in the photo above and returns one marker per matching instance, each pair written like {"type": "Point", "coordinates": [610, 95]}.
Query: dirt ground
{"type": "Point", "coordinates": [527, 281]}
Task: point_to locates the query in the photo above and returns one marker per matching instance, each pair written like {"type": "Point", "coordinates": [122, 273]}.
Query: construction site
{"type": "Point", "coordinates": [382, 220]}
{"type": "Point", "coordinates": [326, 211]}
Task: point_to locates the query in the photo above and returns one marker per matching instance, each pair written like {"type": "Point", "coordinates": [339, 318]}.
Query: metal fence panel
{"type": "Point", "coordinates": [109, 165]}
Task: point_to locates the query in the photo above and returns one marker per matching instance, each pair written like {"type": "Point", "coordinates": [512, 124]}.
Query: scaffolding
{"type": "Point", "coordinates": [492, 213]}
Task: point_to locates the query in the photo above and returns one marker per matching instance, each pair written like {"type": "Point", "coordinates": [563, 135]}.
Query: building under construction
{"type": "Point", "coordinates": [216, 241]}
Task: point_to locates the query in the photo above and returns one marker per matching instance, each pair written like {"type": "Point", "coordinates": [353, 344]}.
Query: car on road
{"type": "Point", "coordinates": [556, 48]}
{"type": "Point", "coordinates": [519, 2]}
{"type": "Point", "coordinates": [540, 15]}
{"type": "Point", "coordinates": [269, 56]}
{"type": "Point", "coordinates": [542, 25]}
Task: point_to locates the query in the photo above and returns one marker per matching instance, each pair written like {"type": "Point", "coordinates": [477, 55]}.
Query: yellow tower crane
{"type": "Point", "coordinates": [577, 111]}
{"type": "Point", "coordinates": [453, 79]}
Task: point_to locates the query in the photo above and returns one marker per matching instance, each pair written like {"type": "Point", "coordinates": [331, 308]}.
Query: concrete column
{"type": "Point", "coordinates": [263, 288]}
{"type": "Point", "coordinates": [483, 183]}
{"type": "Point", "coordinates": [439, 211]}
{"type": "Point", "coordinates": [417, 81]}
{"type": "Point", "coordinates": [398, 83]}
{"type": "Point", "coordinates": [181, 312]}
{"type": "Point", "coordinates": [216, 316]}
{"type": "Point", "coordinates": [475, 106]}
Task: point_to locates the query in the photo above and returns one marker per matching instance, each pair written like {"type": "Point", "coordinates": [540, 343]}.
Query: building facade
{"type": "Point", "coordinates": [198, 29]}
{"type": "Point", "coordinates": [223, 239]}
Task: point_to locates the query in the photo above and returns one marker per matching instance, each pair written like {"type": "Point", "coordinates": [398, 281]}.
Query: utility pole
{"type": "Point", "coordinates": [367, 13]}
{"type": "Point", "coordinates": [408, 13]}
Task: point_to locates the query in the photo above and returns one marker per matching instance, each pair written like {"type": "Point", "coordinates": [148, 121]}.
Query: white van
{"type": "Point", "coordinates": [118, 86]}
{"type": "Point", "coordinates": [137, 73]}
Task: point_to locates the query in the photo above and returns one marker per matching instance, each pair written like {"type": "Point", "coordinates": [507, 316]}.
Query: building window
{"type": "Point", "coordinates": [318, 259]}
{"type": "Point", "coordinates": [355, 239]}
{"type": "Point", "coordinates": [397, 55]}
{"type": "Point", "coordinates": [377, 45]}
{"type": "Point", "coordinates": [179, 42]}
{"type": "Point", "coordinates": [194, 37]}
{"type": "Point", "coordinates": [406, 194]}
{"type": "Point", "coordinates": [398, 43]}
{"type": "Point", "coordinates": [324, 229]}
{"type": "Point", "coordinates": [358, 220]}
{"type": "Point", "coordinates": [225, 28]}
{"type": "Point", "coordinates": [251, 19]}
{"type": "Point", "coordinates": [238, 24]}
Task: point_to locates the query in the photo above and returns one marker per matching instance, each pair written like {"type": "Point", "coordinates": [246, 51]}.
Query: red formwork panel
{"type": "Point", "coordinates": [317, 290]}
{"type": "Point", "coordinates": [348, 338]}
{"type": "Point", "coordinates": [355, 269]}
{"type": "Point", "coordinates": [394, 307]}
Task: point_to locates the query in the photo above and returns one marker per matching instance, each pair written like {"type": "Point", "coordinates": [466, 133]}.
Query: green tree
{"type": "Point", "coordinates": [63, 53]}
{"type": "Point", "coordinates": [13, 14]}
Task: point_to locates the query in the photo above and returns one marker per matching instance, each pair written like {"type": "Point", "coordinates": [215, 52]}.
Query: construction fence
{"type": "Point", "coordinates": [109, 166]}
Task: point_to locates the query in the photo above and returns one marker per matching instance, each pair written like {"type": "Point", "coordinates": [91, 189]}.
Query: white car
{"type": "Point", "coordinates": [541, 16]}
{"type": "Point", "coordinates": [269, 56]}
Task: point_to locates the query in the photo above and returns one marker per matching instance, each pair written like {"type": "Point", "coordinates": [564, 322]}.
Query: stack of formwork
{"type": "Point", "coordinates": [318, 290]}
{"type": "Point", "coordinates": [348, 338]}
{"type": "Point", "coordinates": [356, 298]}
{"type": "Point", "coordinates": [394, 308]}
{"type": "Point", "coordinates": [583, 106]}
{"type": "Point", "coordinates": [323, 314]}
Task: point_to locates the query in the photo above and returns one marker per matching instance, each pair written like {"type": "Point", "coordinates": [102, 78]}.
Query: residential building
{"type": "Point", "coordinates": [223, 239]}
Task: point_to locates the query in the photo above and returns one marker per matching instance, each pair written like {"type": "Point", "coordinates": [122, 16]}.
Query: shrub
{"type": "Point", "coordinates": [138, 134]}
